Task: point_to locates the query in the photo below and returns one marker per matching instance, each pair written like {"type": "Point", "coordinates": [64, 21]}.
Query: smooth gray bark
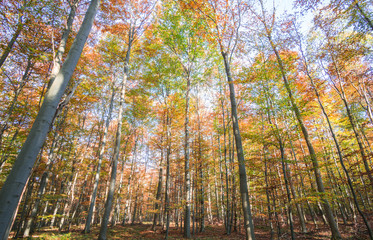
{"type": "Point", "coordinates": [201, 169]}
{"type": "Point", "coordinates": [320, 185]}
{"type": "Point", "coordinates": [43, 181]}
{"type": "Point", "coordinates": [168, 153]}
{"type": "Point", "coordinates": [62, 46]}
{"type": "Point", "coordinates": [159, 190]}
{"type": "Point", "coordinates": [110, 196]}
{"type": "Point", "coordinates": [339, 151]}
{"type": "Point", "coordinates": [248, 222]}
{"type": "Point", "coordinates": [267, 191]}
{"type": "Point", "coordinates": [87, 227]}
{"type": "Point", "coordinates": [15, 183]}
{"type": "Point", "coordinates": [187, 170]}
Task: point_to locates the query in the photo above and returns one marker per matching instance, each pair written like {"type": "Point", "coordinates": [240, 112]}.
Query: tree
{"type": "Point", "coordinates": [316, 168]}
{"type": "Point", "coordinates": [224, 18]}
{"type": "Point", "coordinates": [13, 188]}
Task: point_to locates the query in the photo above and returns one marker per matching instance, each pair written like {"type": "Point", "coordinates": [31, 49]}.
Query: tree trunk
{"type": "Point", "coordinates": [110, 196]}
{"type": "Point", "coordinates": [128, 200]}
{"type": "Point", "coordinates": [267, 192]}
{"type": "Point", "coordinates": [320, 185]}
{"type": "Point", "coordinates": [168, 153]}
{"type": "Point", "coordinates": [187, 170]}
{"type": "Point", "coordinates": [15, 183]}
{"type": "Point", "coordinates": [13, 103]}
{"type": "Point", "coordinates": [9, 47]}
{"type": "Point", "coordinates": [159, 191]}
{"type": "Point", "coordinates": [248, 222]}
{"type": "Point", "coordinates": [57, 61]}
{"type": "Point", "coordinates": [87, 227]}
{"type": "Point", "coordinates": [22, 218]}
{"type": "Point", "coordinates": [365, 15]}
{"type": "Point", "coordinates": [201, 169]}
{"type": "Point", "coordinates": [339, 152]}
{"type": "Point", "coordinates": [351, 119]}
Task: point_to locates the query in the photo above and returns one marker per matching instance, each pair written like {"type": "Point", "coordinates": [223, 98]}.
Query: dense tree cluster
{"type": "Point", "coordinates": [185, 114]}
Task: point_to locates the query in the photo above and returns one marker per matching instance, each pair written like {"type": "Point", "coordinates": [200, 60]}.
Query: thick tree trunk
{"type": "Point", "coordinates": [13, 187]}
{"type": "Point", "coordinates": [43, 181]}
{"type": "Point", "coordinates": [248, 222]}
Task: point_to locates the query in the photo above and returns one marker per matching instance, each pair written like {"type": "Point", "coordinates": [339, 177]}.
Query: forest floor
{"type": "Point", "coordinates": [143, 231]}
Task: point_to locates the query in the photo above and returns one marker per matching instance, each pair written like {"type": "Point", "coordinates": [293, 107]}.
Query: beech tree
{"type": "Point", "coordinates": [186, 119]}
{"type": "Point", "coordinates": [13, 188]}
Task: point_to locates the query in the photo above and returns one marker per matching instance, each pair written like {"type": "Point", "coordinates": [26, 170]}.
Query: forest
{"type": "Point", "coordinates": [186, 119]}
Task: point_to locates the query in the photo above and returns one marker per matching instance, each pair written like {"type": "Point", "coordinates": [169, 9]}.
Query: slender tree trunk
{"type": "Point", "coordinates": [226, 217]}
{"type": "Point", "coordinates": [302, 187]}
{"type": "Point", "coordinates": [13, 103]}
{"type": "Point", "coordinates": [221, 181]}
{"type": "Point", "coordinates": [248, 222]}
{"type": "Point", "coordinates": [267, 193]}
{"type": "Point", "coordinates": [15, 35]}
{"type": "Point", "coordinates": [110, 196]}
{"type": "Point", "coordinates": [297, 205]}
{"type": "Point", "coordinates": [135, 205]}
{"type": "Point", "coordinates": [15, 183]}
{"type": "Point", "coordinates": [187, 170]}
{"type": "Point", "coordinates": [43, 181]}
{"type": "Point", "coordinates": [351, 119]}
{"type": "Point", "coordinates": [363, 14]}
{"type": "Point", "coordinates": [128, 198]}
{"type": "Point", "coordinates": [70, 193]}
{"type": "Point", "coordinates": [159, 191]}
{"type": "Point", "coordinates": [88, 222]}
{"type": "Point", "coordinates": [201, 169]}
{"type": "Point", "coordinates": [320, 185]}
{"type": "Point", "coordinates": [76, 207]}
{"type": "Point", "coordinates": [22, 219]}
{"type": "Point", "coordinates": [116, 213]}
{"type": "Point", "coordinates": [339, 152]}
{"type": "Point", "coordinates": [286, 178]}
{"type": "Point", "coordinates": [168, 153]}
{"type": "Point", "coordinates": [30, 221]}
{"type": "Point", "coordinates": [285, 169]}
